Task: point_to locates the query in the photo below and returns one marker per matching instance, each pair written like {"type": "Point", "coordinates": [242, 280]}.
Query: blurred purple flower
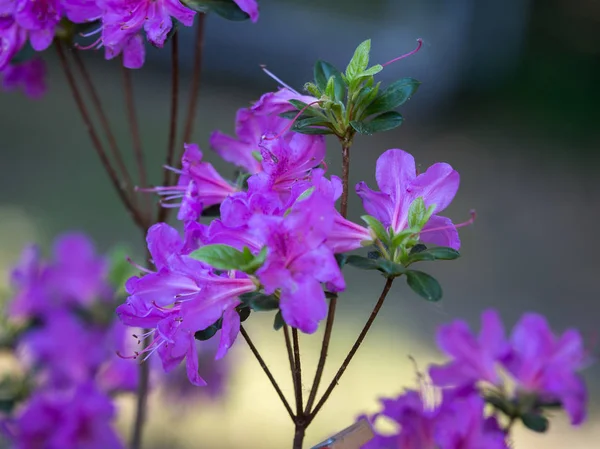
{"type": "Point", "coordinates": [77, 418]}
{"type": "Point", "coordinates": [29, 76]}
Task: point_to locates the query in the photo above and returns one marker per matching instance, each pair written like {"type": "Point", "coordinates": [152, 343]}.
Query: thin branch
{"type": "Point", "coordinates": [163, 212]}
{"type": "Point", "coordinates": [195, 88]}
{"type": "Point", "coordinates": [323, 356]}
{"type": "Point", "coordinates": [267, 372]}
{"type": "Point", "coordinates": [357, 343]}
{"type": "Point", "coordinates": [345, 179]}
{"type": "Point", "coordinates": [141, 403]}
{"type": "Point", "coordinates": [97, 144]}
{"type": "Point", "coordinates": [290, 352]}
{"type": "Point", "coordinates": [116, 152]}
{"type": "Point", "coordinates": [135, 132]}
{"type": "Point", "coordinates": [297, 373]}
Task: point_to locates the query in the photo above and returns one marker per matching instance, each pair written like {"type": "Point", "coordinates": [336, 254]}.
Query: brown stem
{"type": "Point", "coordinates": [324, 350]}
{"type": "Point", "coordinates": [263, 365]}
{"type": "Point", "coordinates": [97, 144]}
{"type": "Point", "coordinates": [290, 352]}
{"type": "Point", "coordinates": [141, 404]}
{"type": "Point", "coordinates": [357, 343]}
{"type": "Point", "coordinates": [333, 301]}
{"type": "Point", "coordinates": [163, 212]}
{"type": "Point", "coordinates": [195, 88]}
{"type": "Point", "coordinates": [297, 373]}
{"type": "Point", "coordinates": [345, 179]}
{"type": "Point", "coordinates": [299, 435]}
{"type": "Point", "coordinates": [114, 148]}
{"type": "Point", "coordinates": [135, 131]}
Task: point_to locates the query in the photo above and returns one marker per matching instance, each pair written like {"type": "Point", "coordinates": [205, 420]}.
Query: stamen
{"type": "Point", "coordinates": [173, 169]}
{"type": "Point", "coordinates": [96, 43]}
{"type": "Point", "coordinates": [139, 267]}
{"type": "Point", "coordinates": [460, 225]}
{"type": "Point", "coordinates": [419, 45]}
{"type": "Point", "coordinates": [287, 128]}
{"type": "Point", "coordinates": [91, 33]}
{"type": "Point", "coordinates": [270, 74]}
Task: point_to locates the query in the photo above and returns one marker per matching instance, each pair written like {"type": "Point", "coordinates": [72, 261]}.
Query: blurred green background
{"type": "Point", "coordinates": [509, 97]}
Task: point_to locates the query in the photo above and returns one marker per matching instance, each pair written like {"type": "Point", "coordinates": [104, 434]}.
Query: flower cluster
{"type": "Point", "coordinates": [277, 242]}
{"type": "Point", "coordinates": [32, 25]}
{"type": "Point", "coordinates": [542, 372]}
{"type": "Point", "coordinates": [69, 346]}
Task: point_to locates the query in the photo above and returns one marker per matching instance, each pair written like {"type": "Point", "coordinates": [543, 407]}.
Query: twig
{"type": "Point", "coordinates": [97, 144]}
{"type": "Point", "coordinates": [135, 132]}
{"type": "Point", "coordinates": [163, 212]}
{"type": "Point", "coordinates": [357, 343]}
{"type": "Point", "coordinates": [195, 88]}
{"type": "Point", "coordinates": [116, 152]}
{"type": "Point", "coordinates": [297, 373]}
{"type": "Point", "coordinates": [267, 372]}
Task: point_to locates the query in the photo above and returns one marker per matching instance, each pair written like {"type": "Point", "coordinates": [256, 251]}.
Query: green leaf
{"type": "Point", "coordinates": [376, 227]}
{"type": "Point", "coordinates": [313, 90]}
{"type": "Point", "coordinates": [416, 213]}
{"type": "Point", "coordinates": [359, 61]}
{"type": "Point", "coordinates": [424, 285]}
{"type": "Point", "coordinates": [253, 262]}
{"type": "Point", "coordinates": [278, 321]}
{"type": "Point", "coordinates": [391, 269]}
{"type": "Point", "coordinates": [371, 71]}
{"type": "Point", "coordinates": [222, 257]}
{"type": "Point", "coordinates": [395, 95]}
{"type": "Point", "coordinates": [314, 131]}
{"type": "Point", "coordinates": [323, 71]}
{"type": "Point", "coordinates": [536, 422]}
{"type": "Point", "coordinates": [437, 253]}
{"type": "Point", "coordinates": [373, 255]}
{"type": "Point", "coordinates": [399, 239]}
{"type": "Point", "coordinates": [24, 54]}
{"type": "Point", "coordinates": [227, 9]}
{"type": "Point", "coordinates": [384, 122]}
{"type": "Point", "coordinates": [500, 403]}
{"type": "Point", "coordinates": [310, 121]}
{"type": "Point", "coordinates": [243, 312]}
{"type": "Point", "coordinates": [341, 259]}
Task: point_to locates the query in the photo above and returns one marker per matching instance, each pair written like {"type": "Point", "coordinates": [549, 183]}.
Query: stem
{"type": "Point", "coordinates": [324, 350]}
{"type": "Point", "coordinates": [297, 374]}
{"type": "Point", "coordinates": [116, 153]}
{"type": "Point", "coordinates": [119, 187]}
{"type": "Point", "coordinates": [345, 179]}
{"type": "Point", "coordinates": [163, 212]}
{"type": "Point", "coordinates": [290, 351]}
{"type": "Point", "coordinates": [141, 402]}
{"type": "Point", "coordinates": [333, 301]}
{"type": "Point", "coordinates": [357, 343]}
{"type": "Point", "coordinates": [299, 435]}
{"type": "Point", "coordinates": [263, 365]}
{"type": "Point", "coordinates": [135, 130]}
{"type": "Point", "coordinates": [193, 103]}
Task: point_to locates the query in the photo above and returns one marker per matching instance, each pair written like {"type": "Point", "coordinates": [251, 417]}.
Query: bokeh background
{"type": "Point", "coordinates": [509, 97]}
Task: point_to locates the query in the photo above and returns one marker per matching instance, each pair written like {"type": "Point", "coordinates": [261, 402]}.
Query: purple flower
{"type": "Point", "coordinates": [544, 364]}
{"type": "Point", "coordinates": [399, 184]}
{"type": "Point", "coordinates": [29, 75]}
{"type": "Point", "coordinates": [29, 278]}
{"type": "Point", "coordinates": [415, 418]}
{"type": "Point", "coordinates": [12, 37]}
{"type": "Point", "coordinates": [63, 350]}
{"type": "Point", "coordinates": [473, 358]}
{"type": "Point", "coordinates": [251, 125]}
{"type": "Point", "coordinates": [196, 298]}
{"type": "Point", "coordinates": [77, 418]}
{"type": "Point", "coordinates": [298, 260]}
{"type": "Point", "coordinates": [80, 11]}
{"type": "Point", "coordinates": [286, 161]}
{"type": "Point", "coordinates": [457, 422]}
{"type": "Point", "coordinates": [199, 186]}
{"type": "Point", "coordinates": [541, 364]}
{"type": "Point", "coordinates": [117, 373]}
{"type": "Point", "coordinates": [40, 18]}
{"type": "Point", "coordinates": [250, 7]}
